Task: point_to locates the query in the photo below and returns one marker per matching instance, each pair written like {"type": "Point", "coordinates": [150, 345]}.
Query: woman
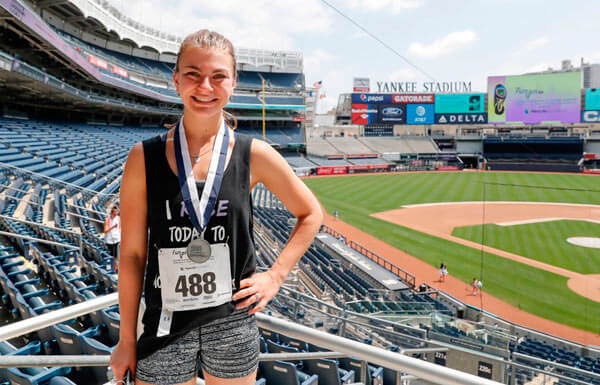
{"type": "Point", "coordinates": [112, 234]}
{"type": "Point", "coordinates": [201, 250]}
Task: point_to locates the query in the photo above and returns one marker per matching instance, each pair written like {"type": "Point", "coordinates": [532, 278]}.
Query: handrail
{"type": "Point", "coordinates": [422, 369]}
{"type": "Point", "coordinates": [85, 208]}
{"type": "Point", "coordinates": [103, 359]}
{"type": "Point", "coordinates": [40, 225]}
{"type": "Point", "coordinates": [58, 181]}
{"type": "Point", "coordinates": [15, 235]}
{"type": "Point", "coordinates": [53, 317]}
{"type": "Point", "coordinates": [389, 266]}
{"type": "Point", "coordinates": [84, 217]}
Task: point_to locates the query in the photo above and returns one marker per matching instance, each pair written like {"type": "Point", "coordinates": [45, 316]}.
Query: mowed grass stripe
{"type": "Point", "coordinates": [545, 242]}
{"type": "Point", "coordinates": [533, 290]}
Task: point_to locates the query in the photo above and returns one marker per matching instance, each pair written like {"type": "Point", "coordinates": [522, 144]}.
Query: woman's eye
{"type": "Point", "coordinates": [219, 76]}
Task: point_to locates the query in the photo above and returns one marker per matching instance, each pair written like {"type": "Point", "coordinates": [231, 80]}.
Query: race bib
{"type": "Point", "coordinates": [187, 285]}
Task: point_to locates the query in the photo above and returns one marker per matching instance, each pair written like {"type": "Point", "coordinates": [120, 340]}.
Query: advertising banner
{"type": "Point", "coordinates": [447, 168]}
{"type": "Point", "coordinates": [392, 113]}
{"type": "Point", "coordinates": [419, 113]}
{"type": "Point", "coordinates": [459, 103]}
{"type": "Point", "coordinates": [479, 118]}
{"type": "Point", "coordinates": [537, 98]}
{"type": "Point", "coordinates": [371, 98]}
{"type": "Point", "coordinates": [362, 85]}
{"type": "Point", "coordinates": [590, 116]}
{"type": "Point", "coordinates": [364, 113]}
{"type": "Point", "coordinates": [359, 156]}
{"type": "Point", "coordinates": [369, 167]}
{"type": "Point", "coordinates": [592, 99]}
{"type": "Point", "coordinates": [98, 62]}
{"type": "Point", "coordinates": [413, 98]}
{"type": "Point", "coordinates": [331, 170]}
{"type": "Point", "coordinates": [120, 71]}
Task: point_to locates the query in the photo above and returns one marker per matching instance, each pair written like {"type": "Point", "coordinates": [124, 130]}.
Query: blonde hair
{"type": "Point", "coordinates": [210, 39]}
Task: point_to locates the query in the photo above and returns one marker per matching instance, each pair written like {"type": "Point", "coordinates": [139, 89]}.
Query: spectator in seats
{"type": "Point", "coordinates": [187, 234]}
{"type": "Point", "coordinates": [443, 272]}
{"type": "Point", "coordinates": [112, 235]}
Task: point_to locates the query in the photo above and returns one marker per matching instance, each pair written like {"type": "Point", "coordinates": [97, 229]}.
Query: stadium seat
{"type": "Point", "coordinates": [328, 372]}
{"type": "Point", "coordinates": [285, 373]}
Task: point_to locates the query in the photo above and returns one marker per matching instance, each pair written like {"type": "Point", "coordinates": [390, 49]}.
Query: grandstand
{"type": "Point", "coordinates": [81, 84]}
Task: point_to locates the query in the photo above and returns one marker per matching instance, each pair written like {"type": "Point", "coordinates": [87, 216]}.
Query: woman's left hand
{"type": "Point", "coordinates": [259, 289]}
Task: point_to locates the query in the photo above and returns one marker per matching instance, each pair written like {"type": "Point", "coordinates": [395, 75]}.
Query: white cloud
{"type": "Point", "coordinates": [315, 61]}
{"type": "Point", "coordinates": [536, 43]}
{"type": "Point", "coordinates": [444, 45]}
{"type": "Point", "coordinates": [403, 75]}
{"type": "Point", "coordinates": [393, 6]}
{"type": "Point", "coordinates": [264, 25]}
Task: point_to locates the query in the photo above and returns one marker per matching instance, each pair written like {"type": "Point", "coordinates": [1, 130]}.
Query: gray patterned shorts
{"type": "Point", "coordinates": [227, 348]}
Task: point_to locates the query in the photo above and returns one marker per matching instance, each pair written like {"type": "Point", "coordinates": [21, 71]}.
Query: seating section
{"type": "Point", "coordinates": [60, 177]}
{"type": "Point", "coordinates": [401, 144]}
{"type": "Point", "coordinates": [561, 355]}
{"type": "Point", "coordinates": [85, 156]}
{"type": "Point", "coordinates": [276, 136]}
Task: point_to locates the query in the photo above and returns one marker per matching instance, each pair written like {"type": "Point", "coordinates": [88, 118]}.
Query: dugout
{"type": "Point", "coordinates": [533, 153]}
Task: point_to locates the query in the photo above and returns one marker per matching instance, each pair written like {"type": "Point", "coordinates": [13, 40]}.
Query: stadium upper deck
{"type": "Point", "coordinates": [85, 57]}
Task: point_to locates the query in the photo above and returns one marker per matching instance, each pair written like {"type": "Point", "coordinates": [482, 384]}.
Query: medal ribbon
{"type": "Point", "coordinates": [200, 210]}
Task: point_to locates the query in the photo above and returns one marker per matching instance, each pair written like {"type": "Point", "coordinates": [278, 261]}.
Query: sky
{"type": "Point", "coordinates": [449, 40]}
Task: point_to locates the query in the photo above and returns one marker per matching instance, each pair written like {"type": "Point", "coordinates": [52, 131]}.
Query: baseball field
{"type": "Point", "coordinates": [512, 231]}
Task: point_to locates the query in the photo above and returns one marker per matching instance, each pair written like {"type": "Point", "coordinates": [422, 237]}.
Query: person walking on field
{"type": "Point", "coordinates": [443, 272]}
{"type": "Point", "coordinates": [188, 234]}
{"type": "Point", "coordinates": [112, 235]}
{"type": "Point", "coordinates": [475, 285]}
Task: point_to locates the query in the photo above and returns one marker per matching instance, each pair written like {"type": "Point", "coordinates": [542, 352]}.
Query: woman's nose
{"type": "Point", "coordinates": [205, 82]}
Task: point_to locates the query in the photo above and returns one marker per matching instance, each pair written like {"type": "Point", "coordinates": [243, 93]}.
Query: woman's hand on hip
{"type": "Point", "coordinates": [259, 289]}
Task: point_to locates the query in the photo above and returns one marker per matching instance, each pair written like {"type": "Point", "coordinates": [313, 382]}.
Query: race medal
{"type": "Point", "coordinates": [199, 250]}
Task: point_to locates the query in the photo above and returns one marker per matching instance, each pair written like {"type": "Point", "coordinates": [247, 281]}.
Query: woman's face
{"type": "Point", "coordinates": [114, 212]}
{"type": "Point", "coordinates": [205, 80]}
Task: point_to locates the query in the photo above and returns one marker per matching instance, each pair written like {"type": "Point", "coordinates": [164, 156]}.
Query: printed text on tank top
{"type": "Point", "coordinates": [196, 279]}
{"type": "Point", "coordinates": [170, 227]}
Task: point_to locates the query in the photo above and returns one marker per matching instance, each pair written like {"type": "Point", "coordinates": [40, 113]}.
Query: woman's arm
{"type": "Point", "coordinates": [106, 225]}
{"type": "Point", "coordinates": [268, 167]}
{"type": "Point", "coordinates": [132, 262]}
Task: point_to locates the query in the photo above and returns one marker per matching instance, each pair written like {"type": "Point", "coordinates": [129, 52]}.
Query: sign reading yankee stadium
{"type": "Point", "coordinates": [433, 87]}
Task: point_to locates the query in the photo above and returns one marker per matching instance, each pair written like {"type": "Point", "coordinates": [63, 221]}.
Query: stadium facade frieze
{"type": "Point", "coordinates": [415, 87]}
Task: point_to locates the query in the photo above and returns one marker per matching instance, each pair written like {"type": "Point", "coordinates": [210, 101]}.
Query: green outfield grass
{"type": "Point", "coordinates": [546, 242]}
{"type": "Point", "coordinates": [533, 290]}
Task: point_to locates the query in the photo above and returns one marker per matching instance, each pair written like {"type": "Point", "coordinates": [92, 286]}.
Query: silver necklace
{"type": "Point", "coordinates": [197, 157]}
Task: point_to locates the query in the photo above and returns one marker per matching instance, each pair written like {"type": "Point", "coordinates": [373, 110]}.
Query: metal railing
{"type": "Point", "coordinates": [339, 346]}
{"type": "Point", "coordinates": [52, 180]}
{"type": "Point", "coordinates": [405, 275]}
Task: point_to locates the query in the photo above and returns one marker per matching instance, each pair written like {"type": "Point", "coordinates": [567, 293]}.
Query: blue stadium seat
{"type": "Point", "coordinates": [328, 372]}
{"type": "Point", "coordinates": [285, 373]}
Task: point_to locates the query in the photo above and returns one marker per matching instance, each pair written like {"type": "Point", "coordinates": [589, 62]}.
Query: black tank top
{"type": "Point", "coordinates": [169, 227]}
